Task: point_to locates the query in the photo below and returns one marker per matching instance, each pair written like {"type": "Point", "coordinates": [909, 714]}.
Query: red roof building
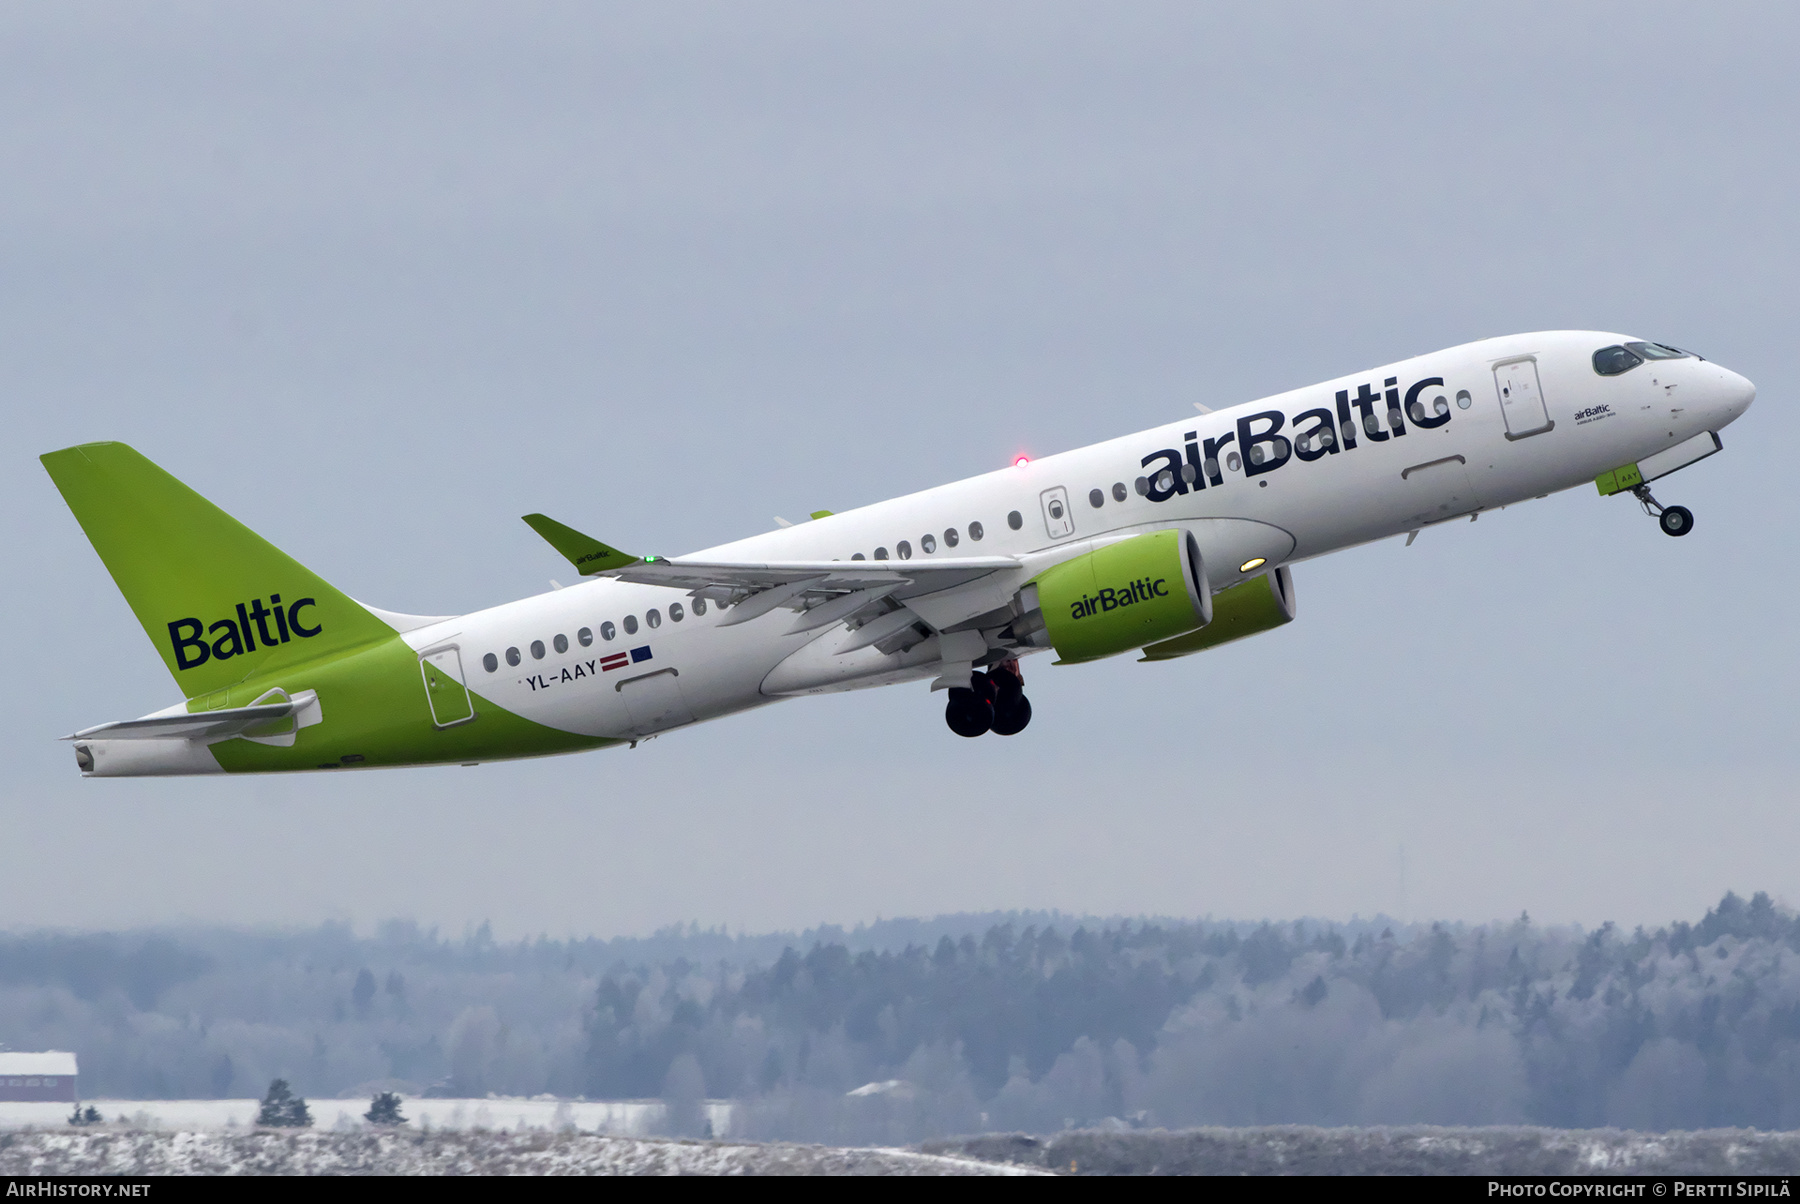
{"type": "Point", "coordinates": [49, 1075]}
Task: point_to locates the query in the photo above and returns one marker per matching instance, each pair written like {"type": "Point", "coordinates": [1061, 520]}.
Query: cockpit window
{"type": "Point", "coordinates": [1611, 361]}
{"type": "Point", "coordinates": [1659, 351]}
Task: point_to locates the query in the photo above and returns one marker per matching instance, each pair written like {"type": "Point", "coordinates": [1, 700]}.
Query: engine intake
{"type": "Point", "coordinates": [1257, 605]}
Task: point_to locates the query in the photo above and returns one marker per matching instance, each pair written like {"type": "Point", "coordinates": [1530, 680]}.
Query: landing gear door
{"type": "Point", "coordinates": [1521, 397]}
{"type": "Point", "coordinates": [444, 688]}
{"type": "Point", "coordinates": [1057, 519]}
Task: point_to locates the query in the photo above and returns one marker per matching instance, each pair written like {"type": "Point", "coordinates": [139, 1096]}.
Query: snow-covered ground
{"type": "Point", "coordinates": [1391, 1150]}
{"type": "Point", "coordinates": [624, 1117]}
{"type": "Point", "coordinates": [444, 1152]}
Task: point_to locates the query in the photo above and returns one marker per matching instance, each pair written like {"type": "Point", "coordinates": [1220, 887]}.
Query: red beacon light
{"type": "Point", "coordinates": [1022, 462]}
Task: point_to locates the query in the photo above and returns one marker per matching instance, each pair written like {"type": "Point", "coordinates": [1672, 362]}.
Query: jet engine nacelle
{"type": "Point", "coordinates": [1265, 601]}
{"type": "Point", "coordinates": [1139, 591]}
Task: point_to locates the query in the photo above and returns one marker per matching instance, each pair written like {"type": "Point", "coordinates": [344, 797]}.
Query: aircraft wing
{"type": "Point", "coordinates": [723, 578]}
{"type": "Point", "coordinates": [855, 592]}
{"type": "Point", "coordinates": [943, 592]}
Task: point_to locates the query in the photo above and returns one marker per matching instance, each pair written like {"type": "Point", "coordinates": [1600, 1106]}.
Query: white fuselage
{"type": "Point", "coordinates": [1398, 478]}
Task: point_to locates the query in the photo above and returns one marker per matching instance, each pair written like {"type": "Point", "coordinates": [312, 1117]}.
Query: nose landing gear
{"type": "Point", "coordinates": [1674, 520]}
{"type": "Point", "coordinates": [994, 701]}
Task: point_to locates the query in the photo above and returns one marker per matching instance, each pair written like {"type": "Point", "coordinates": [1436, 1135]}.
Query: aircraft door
{"type": "Point", "coordinates": [1521, 397]}
{"type": "Point", "coordinates": [1057, 519]}
{"type": "Point", "coordinates": [445, 689]}
{"type": "Point", "coordinates": [655, 702]}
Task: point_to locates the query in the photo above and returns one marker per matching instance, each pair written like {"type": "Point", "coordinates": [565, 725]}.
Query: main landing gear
{"type": "Point", "coordinates": [1674, 520]}
{"type": "Point", "coordinates": [994, 702]}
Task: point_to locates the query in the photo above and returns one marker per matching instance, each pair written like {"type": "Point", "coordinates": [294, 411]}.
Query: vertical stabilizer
{"type": "Point", "coordinates": [220, 602]}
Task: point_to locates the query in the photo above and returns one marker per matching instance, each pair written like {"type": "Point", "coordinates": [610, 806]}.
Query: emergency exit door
{"type": "Point", "coordinates": [1057, 519]}
{"type": "Point", "coordinates": [1521, 398]}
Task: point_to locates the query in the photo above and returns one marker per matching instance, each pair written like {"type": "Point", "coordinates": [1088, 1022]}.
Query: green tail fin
{"type": "Point", "coordinates": [220, 602]}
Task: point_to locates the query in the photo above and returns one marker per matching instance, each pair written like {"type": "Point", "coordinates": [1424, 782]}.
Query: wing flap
{"type": "Point", "coordinates": [721, 580]}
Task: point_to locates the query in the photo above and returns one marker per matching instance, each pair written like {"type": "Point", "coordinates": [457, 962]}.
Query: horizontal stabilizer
{"type": "Point", "coordinates": [203, 725]}
{"type": "Point", "coordinates": [586, 553]}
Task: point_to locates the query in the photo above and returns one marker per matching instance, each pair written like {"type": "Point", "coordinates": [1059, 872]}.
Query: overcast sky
{"type": "Point", "coordinates": [378, 279]}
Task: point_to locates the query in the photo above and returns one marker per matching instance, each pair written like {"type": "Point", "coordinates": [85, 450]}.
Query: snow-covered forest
{"type": "Point", "coordinates": [905, 1030]}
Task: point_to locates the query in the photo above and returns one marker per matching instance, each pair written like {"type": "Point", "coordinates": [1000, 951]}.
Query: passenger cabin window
{"type": "Point", "coordinates": [512, 656]}
{"type": "Point", "coordinates": [1612, 361]}
{"type": "Point", "coordinates": [585, 635]}
{"type": "Point", "coordinates": [1096, 499]}
{"type": "Point", "coordinates": [950, 537]}
{"type": "Point", "coordinates": [700, 603]}
{"type": "Point", "coordinates": [653, 617]}
{"type": "Point", "coordinates": [1142, 485]}
{"type": "Point", "coordinates": [903, 550]}
{"type": "Point", "coordinates": [537, 650]}
{"type": "Point", "coordinates": [630, 624]}
{"type": "Point", "coordinates": [561, 643]}
{"type": "Point", "coordinates": [881, 553]}
{"type": "Point", "coordinates": [1118, 491]}
{"type": "Point", "coordinates": [853, 556]}
{"type": "Point", "coordinates": [928, 542]}
{"type": "Point", "coordinates": [676, 614]}
{"type": "Point", "coordinates": [1439, 406]}
{"type": "Point", "coordinates": [1015, 520]}
{"type": "Point", "coordinates": [607, 630]}
{"type": "Point", "coordinates": [490, 662]}
{"type": "Point", "coordinates": [976, 532]}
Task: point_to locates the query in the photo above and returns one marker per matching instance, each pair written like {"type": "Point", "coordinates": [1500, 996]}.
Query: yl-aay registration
{"type": "Point", "coordinates": [1166, 542]}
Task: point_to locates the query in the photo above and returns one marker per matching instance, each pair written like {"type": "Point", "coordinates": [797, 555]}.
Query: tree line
{"type": "Point", "coordinates": [910, 1029]}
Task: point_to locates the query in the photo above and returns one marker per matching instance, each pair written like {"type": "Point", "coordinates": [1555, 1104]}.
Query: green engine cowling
{"type": "Point", "coordinates": [1123, 596]}
{"type": "Point", "coordinates": [1257, 605]}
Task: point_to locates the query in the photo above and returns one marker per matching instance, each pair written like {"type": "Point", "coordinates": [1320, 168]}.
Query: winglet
{"type": "Point", "coordinates": [586, 553]}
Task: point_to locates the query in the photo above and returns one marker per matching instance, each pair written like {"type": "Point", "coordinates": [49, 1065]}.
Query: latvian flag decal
{"type": "Point", "coordinates": [619, 660]}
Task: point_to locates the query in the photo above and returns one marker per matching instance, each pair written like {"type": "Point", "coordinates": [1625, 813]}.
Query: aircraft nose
{"type": "Point", "coordinates": [1735, 393]}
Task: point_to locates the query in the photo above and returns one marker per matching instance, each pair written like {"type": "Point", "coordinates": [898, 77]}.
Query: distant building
{"type": "Point", "coordinates": [37, 1076]}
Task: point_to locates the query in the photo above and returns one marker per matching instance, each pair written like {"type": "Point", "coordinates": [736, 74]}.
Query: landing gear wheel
{"type": "Point", "coordinates": [1011, 714]}
{"type": "Point", "coordinates": [968, 713]}
{"type": "Point", "coordinates": [1012, 710]}
{"type": "Point", "coordinates": [1674, 520]}
{"type": "Point", "coordinates": [983, 687]}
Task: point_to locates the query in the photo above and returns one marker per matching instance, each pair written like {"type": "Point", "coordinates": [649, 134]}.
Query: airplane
{"type": "Point", "coordinates": [1165, 543]}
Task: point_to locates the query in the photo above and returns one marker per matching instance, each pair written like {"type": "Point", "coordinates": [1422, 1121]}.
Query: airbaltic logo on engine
{"type": "Point", "coordinates": [238, 636]}
{"type": "Point", "coordinates": [1376, 415]}
{"type": "Point", "coordinates": [1141, 590]}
